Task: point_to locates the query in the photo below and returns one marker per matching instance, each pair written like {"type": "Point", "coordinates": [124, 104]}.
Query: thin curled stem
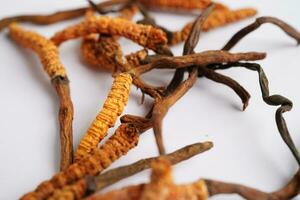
{"type": "Point", "coordinates": [288, 29]}
{"type": "Point", "coordinates": [231, 83]}
{"type": "Point", "coordinates": [289, 191]}
{"type": "Point", "coordinates": [274, 100]}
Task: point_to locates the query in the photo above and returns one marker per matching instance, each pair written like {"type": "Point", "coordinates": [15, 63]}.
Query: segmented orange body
{"type": "Point", "coordinates": [112, 108]}
{"type": "Point", "coordinates": [176, 4]}
{"type": "Point", "coordinates": [146, 36]}
{"type": "Point", "coordinates": [125, 138]}
{"type": "Point", "coordinates": [45, 48]}
{"type": "Point", "coordinates": [218, 18]}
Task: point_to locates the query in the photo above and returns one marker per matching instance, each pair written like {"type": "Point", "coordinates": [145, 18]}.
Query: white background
{"type": "Point", "coordinates": [247, 146]}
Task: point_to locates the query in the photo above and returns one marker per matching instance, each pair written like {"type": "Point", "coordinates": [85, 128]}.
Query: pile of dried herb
{"type": "Point", "coordinates": [82, 169]}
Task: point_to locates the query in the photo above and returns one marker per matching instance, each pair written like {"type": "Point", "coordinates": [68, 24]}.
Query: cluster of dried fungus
{"type": "Point", "coordinates": [82, 176]}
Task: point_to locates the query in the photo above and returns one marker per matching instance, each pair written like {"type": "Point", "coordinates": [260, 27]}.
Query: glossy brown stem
{"type": "Point", "coordinates": [231, 83]}
{"type": "Point", "coordinates": [289, 191]}
{"type": "Point", "coordinates": [288, 29]}
{"type": "Point", "coordinates": [203, 58]}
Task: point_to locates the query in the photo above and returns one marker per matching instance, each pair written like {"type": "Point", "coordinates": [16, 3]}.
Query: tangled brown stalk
{"type": "Point", "coordinates": [100, 47]}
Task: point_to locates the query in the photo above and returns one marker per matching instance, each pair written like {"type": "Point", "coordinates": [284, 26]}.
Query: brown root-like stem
{"type": "Point", "coordinates": [161, 107]}
{"type": "Point", "coordinates": [112, 176]}
{"type": "Point", "coordinates": [289, 191]}
{"type": "Point", "coordinates": [189, 46]}
{"type": "Point", "coordinates": [61, 85]}
{"type": "Point", "coordinates": [52, 65]}
{"type": "Point", "coordinates": [288, 29]}
{"type": "Point", "coordinates": [203, 58]}
{"type": "Point", "coordinates": [55, 17]}
{"type": "Point", "coordinates": [234, 85]}
{"type": "Point", "coordinates": [274, 100]}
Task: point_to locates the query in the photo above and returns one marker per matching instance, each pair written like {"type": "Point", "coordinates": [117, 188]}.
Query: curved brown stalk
{"type": "Point", "coordinates": [114, 175]}
{"type": "Point", "coordinates": [161, 107]}
{"type": "Point", "coordinates": [288, 29]}
{"type": "Point", "coordinates": [189, 46]}
{"type": "Point", "coordinates": [66, 112]}
{"type": "Point", "coordinates": [55, 17]}
{"type": "Point", "coordinates": [49, 57]}
{"type": "Point", "coordinates": [289, 191]}
{"type": "Point", "coordinates": [203, 58]}
{"type": "Point", "coordinates": [274, 100]}
{"type": "Point", "coordinates": [231, 83]}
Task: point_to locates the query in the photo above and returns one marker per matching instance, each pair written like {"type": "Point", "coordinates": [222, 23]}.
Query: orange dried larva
{"type": "Point", "coordinates": [112, 108]}
{"type": "Point", "coordinates": [176, 4]}
{"type": "Point", "coordinates": [146, 36]}
{"type": "Point", "coordinates": [45, 48]}
{"type": "Point", "coordinates": [125, 138]}
{"type": "Point", "coordinates": [100, 52]}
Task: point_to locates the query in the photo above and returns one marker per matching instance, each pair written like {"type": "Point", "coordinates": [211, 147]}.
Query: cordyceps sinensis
{"type": "Point", "coordinates": [176, 4]}
{"type": "Point", "coordinates": [49, 57]}
{"type": "Point", "coordinates": [124, 139]}
{"type": "Point", "coordinates": [161, 187]}
{"type": "Point", "coordinates": [99, 50]}
{"type": "Point", "coordinates": [112, 109]}
{"type": "Point", "coordinates": [146, 36]}
{"type": "Point", "coordinates": [218, 18]}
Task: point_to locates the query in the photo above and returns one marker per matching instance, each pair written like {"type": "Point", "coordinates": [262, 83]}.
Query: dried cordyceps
{"type": "Point", "coordinates": [100, 52]}
{"type": "Point", "coordinates": [58, 16]}
{"type": "Point", "coordinates": [112, 108]}
{"type": "Point", "coordinates": [160, 187]}
{"type": "Point", "coordinates": [89, 184]}
{"type": "Point", "coordinates": [176, 4]}
{"type": "Point", "coordinates": [274, 100]}
{"type": "Point", "coordinates": [125, 138]}
{"type": "Point", "coordinates": [217, 19]}
{"type": "Point", "coordinates": [288, 29]}
{"type": "Point", "coordinates": [135, 59]}
{"type": "Point", "coordinates": [203, 58]}
{"type": "Point", "coordinates": [114, 175]}
{"type": "Point", "coordinates": [146, 36]}
{"type": "Point", "coordinates": [48, 54]}
{"type": "Point", "coordinates": [77, 181]}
